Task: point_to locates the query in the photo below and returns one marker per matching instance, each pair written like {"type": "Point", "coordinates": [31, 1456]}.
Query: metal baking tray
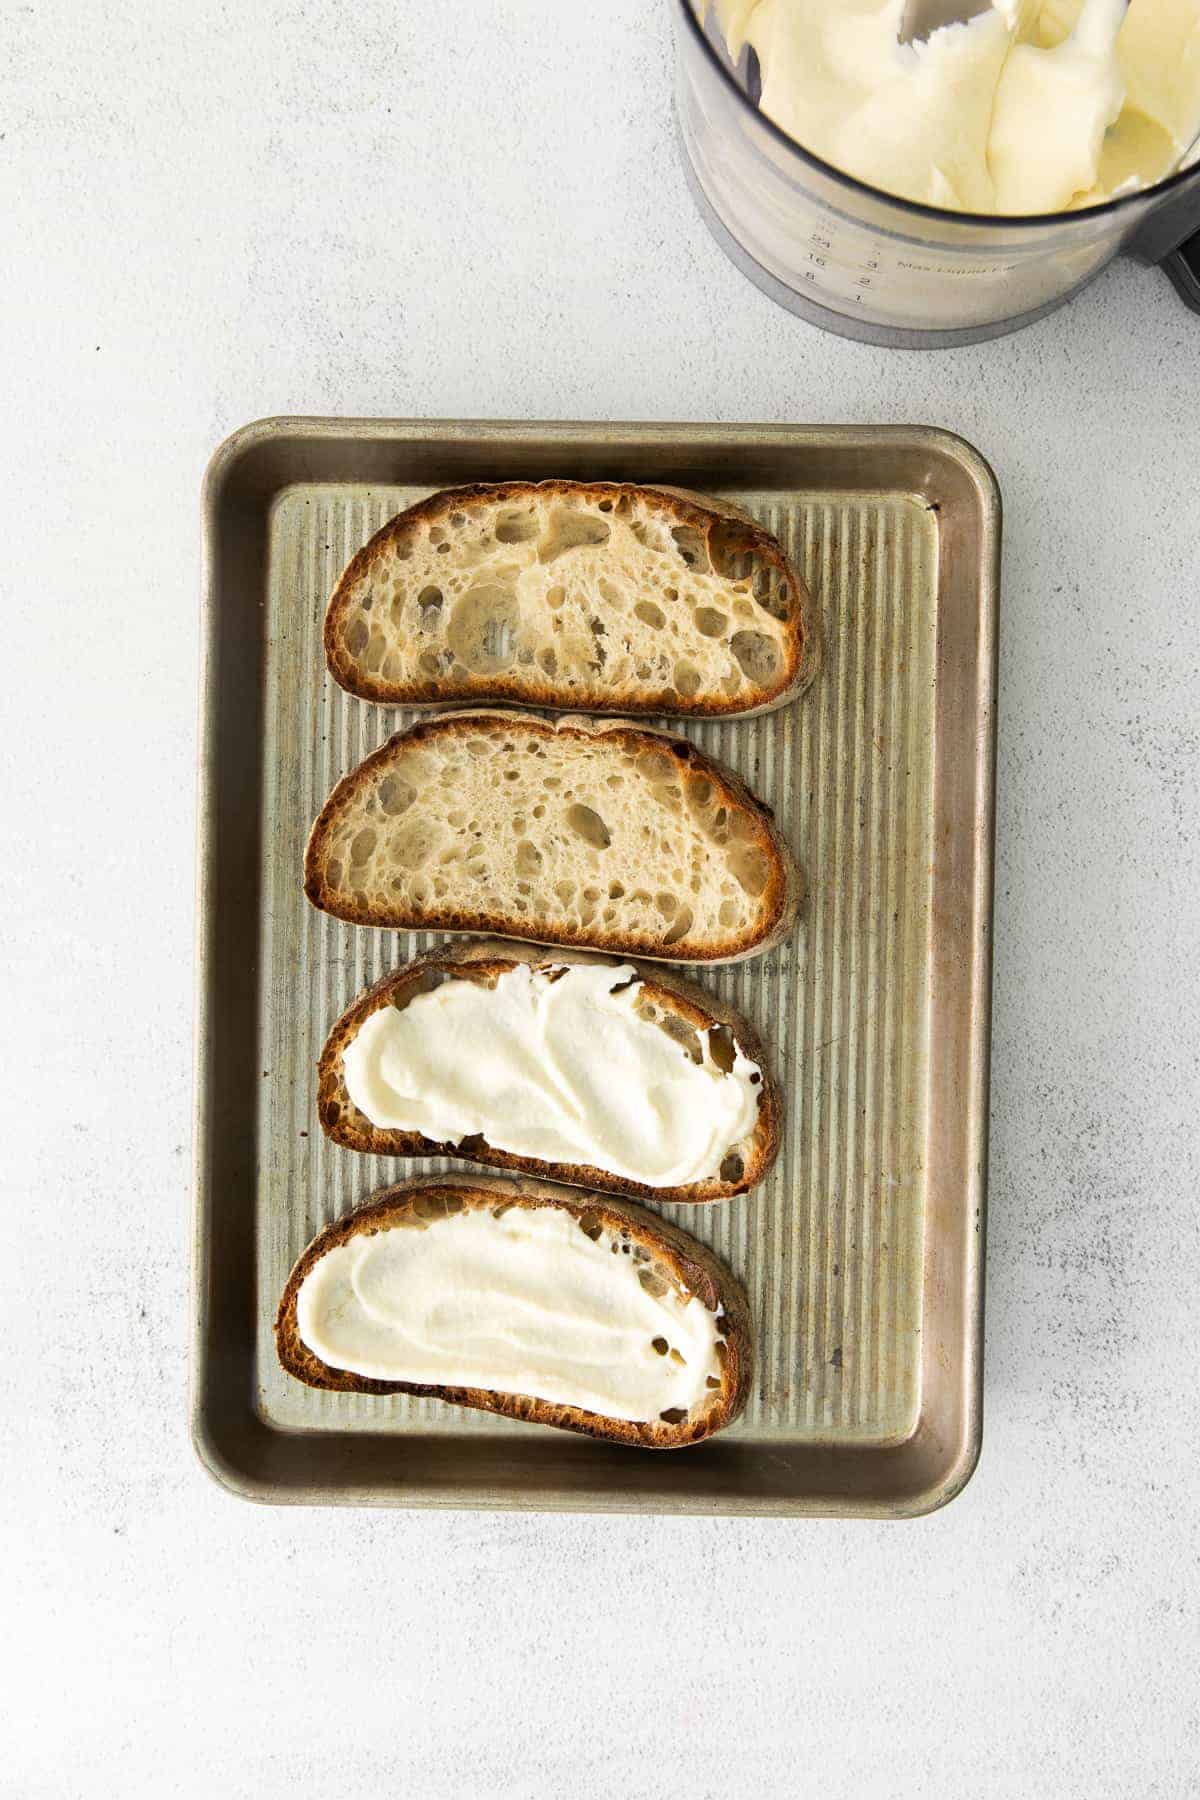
{"type": "Point", "coordinates": [863, 1252]}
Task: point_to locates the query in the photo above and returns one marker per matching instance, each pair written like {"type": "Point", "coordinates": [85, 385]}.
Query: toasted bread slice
{"type": "Point", "coordinates": [611, 836]}
{"type": "Point", "coordinates": [670, 1268]}
{"type": "Point", "coordinates": [564, 594]}
{"type": "Point", "coordinates": [675, 1006]}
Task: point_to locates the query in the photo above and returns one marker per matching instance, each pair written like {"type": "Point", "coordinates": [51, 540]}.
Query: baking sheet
{"type": "Point", "coordinates": [862, 1253]}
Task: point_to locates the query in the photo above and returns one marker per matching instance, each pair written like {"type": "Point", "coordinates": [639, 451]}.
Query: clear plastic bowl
{"type": "Point", "coordinates": [872, 266]}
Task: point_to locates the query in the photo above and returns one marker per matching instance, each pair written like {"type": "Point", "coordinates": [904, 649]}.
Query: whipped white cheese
{"type": "Point", "coordinates": [1032, 106]}
{"type": "Point", "coordinates": [554, 1064]}
{"type": "Point", "coordinates": [526, 1303]}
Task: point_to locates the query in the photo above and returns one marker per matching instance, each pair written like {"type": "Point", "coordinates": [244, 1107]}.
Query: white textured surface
{"type": "Point", "coordinates": [212, 213]}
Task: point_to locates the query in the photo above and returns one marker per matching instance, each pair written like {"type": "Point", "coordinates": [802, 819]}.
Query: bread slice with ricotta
{"type": "Point", "coordinates": [566, 1065]}
{"type": "Point", "coordinates": [557, 1307]}
{"type": "Point", "coordinates": [602, 596]}
{"type": "Point", "coordinates": [601, 834]}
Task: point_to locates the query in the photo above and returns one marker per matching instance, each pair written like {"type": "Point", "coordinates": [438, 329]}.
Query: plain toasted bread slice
{"type": "Point", "coordinates": [662, 1251]}
{"type": "Point", "coordinates": [678, 1007]}
{"type": "Point", "coordinates": [606, 835]}
{"type": "Point", "coordinates": [600, 596]}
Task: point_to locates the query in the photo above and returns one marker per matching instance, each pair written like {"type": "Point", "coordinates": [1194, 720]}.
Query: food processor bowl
{"type": "Point", "coordinates": [870, 265]}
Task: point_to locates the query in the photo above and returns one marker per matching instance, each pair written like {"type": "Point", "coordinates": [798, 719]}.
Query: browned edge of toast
{"type": "Point", "coordinates": [736, 531]}
{"type": "Point", "coordinates": [483, 961]}
{"type": "Point", "coordinates": [693, 1267]}
{"type": "Point", "coordinates": [780, 901]}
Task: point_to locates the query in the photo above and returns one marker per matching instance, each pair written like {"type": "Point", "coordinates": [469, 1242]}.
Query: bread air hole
{"type": "Point", "coordinates": [757, 656]}
{"type": "Point", "coordinates": [569, 529]}
{"type": "Point", "coordinates": [659, 1345]}
{"type": "Point", "coordinates": [429, 605]}
{"type": "Point", "coordinates": [357, 634]}
{"type": "Point", "coordinates": [653, 1283]}
{"type": "Point", "coordinates": [395, 795]}
{"type": "Point", "coordinates": [770, 592]}
{"type": "Point", "coordinates": [482, 630]}
{"type": "Point", "coordinates": [650, 614]}
{"type": "Point", "coordinates": [655, 766]}
{"type": "Point", "coordinates": [529, 858]}
{"type": "Point", "coordinates": [686, 679]}
{"type": "Point", "coordinates": [516, 527]}
{"type": "Point", "coordinates": [727, 913]}
{"type": "Point", "coordinates": [364, 843]}
{"type": "Point", "coordinates": [591, 1225]}
{"type": "Point", "coordinates": [733, 1168]}
{"type": "Point", "coordinates": [674, 1415]}
{"type": "Point", "coordinates": [722, 1051]}
{"type": "Point", "coordinates": [709, 622]}
{"type": "Point", "coordinates": [682, 923]}
{"type": "Point", "coordinates": [437, 1206]}
{"type": "Point", "coordinates": [750, 869]}
{"type": "Point", "coordinates": [700, 792]}
{"type": "Point", "coordinates": [587, 824]}
{"type": "Point", "coordinates": [683, 1034]}
{"type": "Point", "coordinates": [690, 546]}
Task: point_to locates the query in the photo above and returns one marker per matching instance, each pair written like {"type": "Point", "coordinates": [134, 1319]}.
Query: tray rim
{"type": "Point", "coordinates": [230, 459]}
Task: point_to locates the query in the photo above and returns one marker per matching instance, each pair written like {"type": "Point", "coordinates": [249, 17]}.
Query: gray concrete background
{"type": "Point", "coordinates": [211, 213]}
